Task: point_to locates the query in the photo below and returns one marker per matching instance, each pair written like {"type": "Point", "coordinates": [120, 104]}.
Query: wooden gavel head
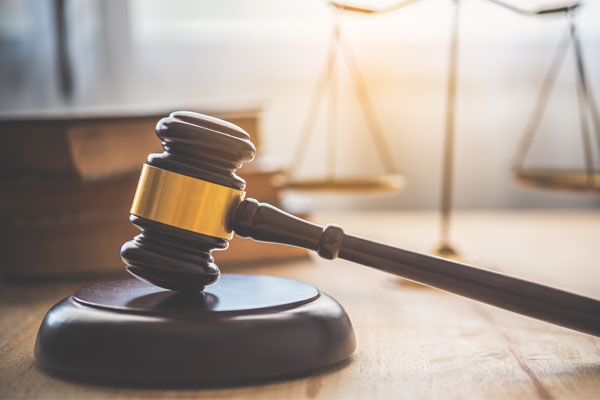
{"type": "Point", "coordinates": [184, 200]}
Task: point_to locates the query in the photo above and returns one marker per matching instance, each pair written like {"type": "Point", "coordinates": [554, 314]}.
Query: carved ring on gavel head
{"type": "Point", "coordinates": [189, 202]}
{"type": "Point", "coordinates": [183, 200]}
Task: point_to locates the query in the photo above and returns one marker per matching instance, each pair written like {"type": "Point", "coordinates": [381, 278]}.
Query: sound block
{"type": "Point", "coordinates": [242, 328]}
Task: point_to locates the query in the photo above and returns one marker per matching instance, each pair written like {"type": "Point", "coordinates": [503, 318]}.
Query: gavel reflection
{"type": "Point", "coordinates": [189, 202]}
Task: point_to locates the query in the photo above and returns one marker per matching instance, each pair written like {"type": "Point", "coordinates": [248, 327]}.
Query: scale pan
{"type": "Point", "coordinates": [378, 184]}
{"type": "Point", "coordinates": [558, 179]}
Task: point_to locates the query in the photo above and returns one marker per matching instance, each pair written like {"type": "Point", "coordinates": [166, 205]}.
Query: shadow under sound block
{"type": "Point", "coordinates": [244, 327]}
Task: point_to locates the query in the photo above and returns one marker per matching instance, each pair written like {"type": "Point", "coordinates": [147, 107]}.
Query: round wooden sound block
{"type": "Point", "coordinates": [244, 327]}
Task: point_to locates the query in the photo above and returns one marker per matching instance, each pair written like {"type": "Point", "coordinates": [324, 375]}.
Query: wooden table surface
{"type": "Point", "coordinates": [412, 341]}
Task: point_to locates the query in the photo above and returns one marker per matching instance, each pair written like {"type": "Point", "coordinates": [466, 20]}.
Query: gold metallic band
{"type": "Point", "coordinates": [184, 202]}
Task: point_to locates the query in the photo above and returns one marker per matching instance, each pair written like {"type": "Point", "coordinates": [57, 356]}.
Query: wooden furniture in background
{"type": "Point", "coordinates": [89, 145]}
{"type": "Point", "coordinates": [78, 227]}
{"type": "Point", "coordinates": [68, 183]}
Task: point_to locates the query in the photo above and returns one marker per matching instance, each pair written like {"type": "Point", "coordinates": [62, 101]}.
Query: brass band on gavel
{"type": "Point", "coordinates": [185, 202]}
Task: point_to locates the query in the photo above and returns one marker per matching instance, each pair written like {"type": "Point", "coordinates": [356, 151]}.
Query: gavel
{"type": "Point", "coordinates": [189, 202]}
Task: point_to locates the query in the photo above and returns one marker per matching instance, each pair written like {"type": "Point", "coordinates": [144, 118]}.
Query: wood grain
{"type": "Point", "coordinates": [412, 342]}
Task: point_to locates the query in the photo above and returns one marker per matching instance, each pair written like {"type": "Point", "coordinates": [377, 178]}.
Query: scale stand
{"type": "Point", "coordinates": [587, 180]}
{"type": "Point", "coordinates": [390, 181]}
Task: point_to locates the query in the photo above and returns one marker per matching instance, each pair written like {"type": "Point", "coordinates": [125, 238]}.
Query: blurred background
{"type": "Point", "coordinates": [83, 84]}
{"type": "Point", "coordinates": [202, 55]}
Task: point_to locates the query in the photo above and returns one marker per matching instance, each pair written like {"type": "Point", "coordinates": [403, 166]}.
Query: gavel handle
{"type": "Point", "coordinates": [264, 222]}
